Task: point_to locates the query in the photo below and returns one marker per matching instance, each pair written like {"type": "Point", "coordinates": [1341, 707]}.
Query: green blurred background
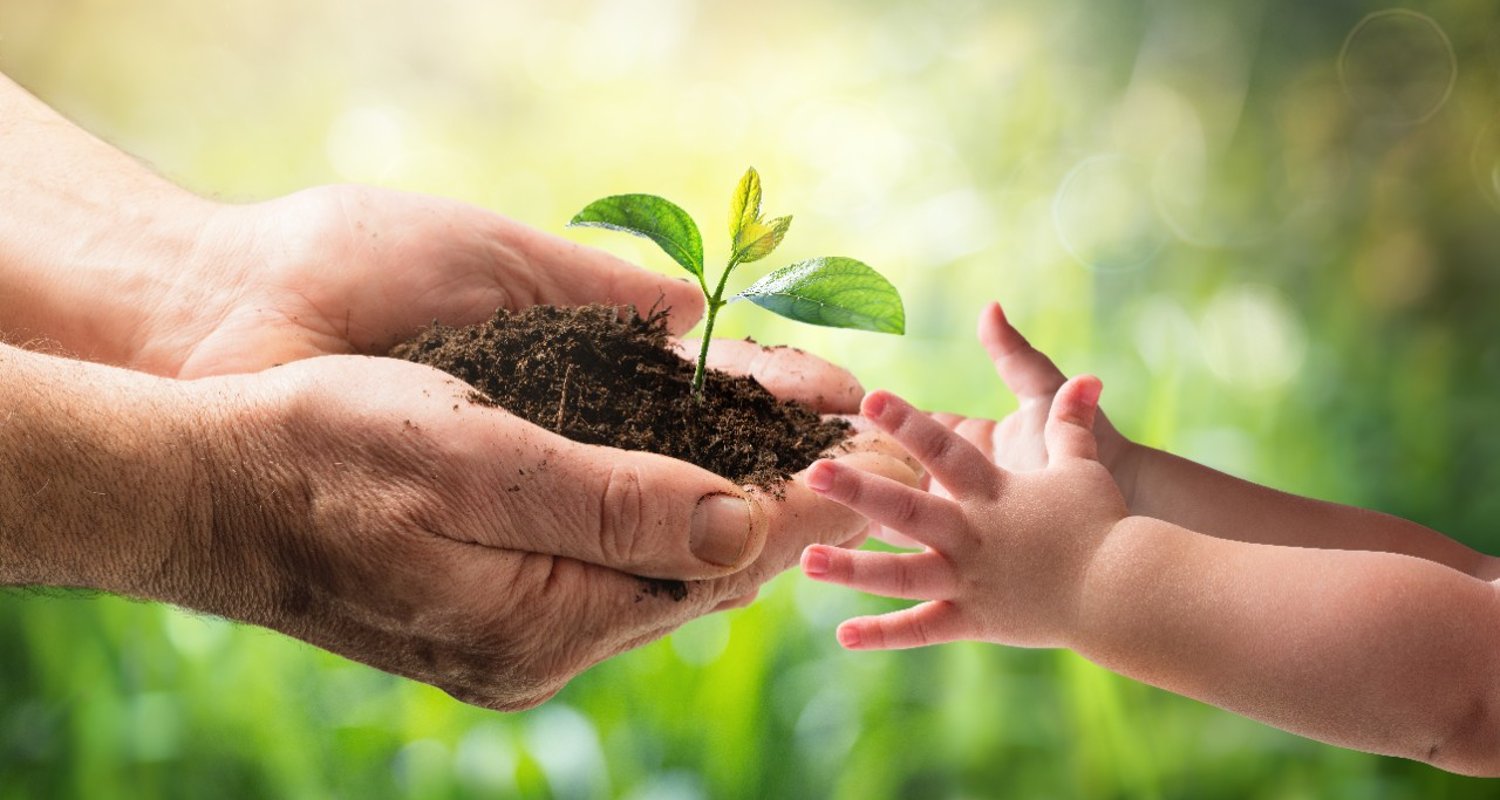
{"type": "Point", "coordinates": [1270, 226]}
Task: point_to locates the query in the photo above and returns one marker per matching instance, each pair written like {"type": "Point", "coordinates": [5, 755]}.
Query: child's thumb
{"type": "Point", "coordinates": [1070, 423]}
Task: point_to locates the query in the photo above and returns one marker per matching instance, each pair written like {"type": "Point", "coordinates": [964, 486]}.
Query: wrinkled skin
{"type": "Point", "coordinates": [355, 269]}
{"type": "Point", "coordinates": [365, 506]}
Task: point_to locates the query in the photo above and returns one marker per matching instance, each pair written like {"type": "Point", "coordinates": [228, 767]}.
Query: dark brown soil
{"type": "Point", "coordinates": [596, 378]}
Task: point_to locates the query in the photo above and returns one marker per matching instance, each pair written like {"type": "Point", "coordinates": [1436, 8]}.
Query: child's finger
{"type": "Point", "coordinates": [931, 520]}
{"type": "Point", "coordinates": [948, 457]}
{"type": "Point", "coordinates": [1025, 370]}
{"type": "Point", "coordinates": [1070, 423]}
{"type": "Point", "coordinates": [933, 622]}
{"type": "Point", "coordinates": [913, 576]}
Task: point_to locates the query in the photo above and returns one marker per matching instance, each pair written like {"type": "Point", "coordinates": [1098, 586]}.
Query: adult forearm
{"type": "Point", "coordinates": [79, 223]}
{"type": "Point", "coordinates": [1374, 651]}
{"type": "Point", "coordinates": [1202, 499]}
{"type": "Point", "coordinates": [96, 475]}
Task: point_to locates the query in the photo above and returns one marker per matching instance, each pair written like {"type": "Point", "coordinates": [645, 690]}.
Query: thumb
{"type": "Point", "coordinates": [787, 372]}
{"type": "Point", "coordinates": [571, 274]}
{"type": "Point", "coordinates": [1070, 424]}
{"type": "Point", "coordinates": [655, 516]}
{"type": "Point", "coordinates": [1026, 371]}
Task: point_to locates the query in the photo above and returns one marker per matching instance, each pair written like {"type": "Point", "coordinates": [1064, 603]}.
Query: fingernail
{"type": "Point", "coordinates": [815, 563]}
{"type": "Point", "coordinates": [874, 404]}
{"type": "Point", "coordinates": [848, 636]}
{"type": "Point", "coordinates": [820, 476]}
{"type": "Point", "coordinates": [721, 529]}
{"type": "Point", "coordinates": [1089, 392]}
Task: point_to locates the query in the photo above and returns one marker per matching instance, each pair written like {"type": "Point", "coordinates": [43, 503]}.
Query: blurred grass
{"type": "Point", "coordinates": [1271, 227]}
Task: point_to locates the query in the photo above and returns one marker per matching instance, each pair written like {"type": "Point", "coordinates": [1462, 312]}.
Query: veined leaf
{"type": "Point", "coordinates": [834, 291]}
{"type": "Point", "coordinates": [761, 238]}
{"type": "Point", "coordinates": [655, 218]}
{"type": "Point", "coordinates": [744, 210]}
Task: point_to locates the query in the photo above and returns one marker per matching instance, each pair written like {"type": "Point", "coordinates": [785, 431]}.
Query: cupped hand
{"type": "Point", "coordinates": [355, 269]}
{"type": "Point", "coordinates": [366, 506]}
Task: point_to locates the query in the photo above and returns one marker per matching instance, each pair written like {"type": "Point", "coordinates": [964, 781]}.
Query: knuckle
{"type": "Point", "coordinates": [937, 448]}
{"type": "Point", "coordinates": [921, 633]}
{"type": "Point", "coordinates": [849, 485]}
{"type": "Point", "coordinates": [899, 415]}
{"type": "Point", "coordinates": [622, 514]}
{"type": "Point", "coordinates": [906, 508]}
{"type": "Point", "coordinates": [844, 566]}
{"type": "Point", "coordinates": [902, 579]}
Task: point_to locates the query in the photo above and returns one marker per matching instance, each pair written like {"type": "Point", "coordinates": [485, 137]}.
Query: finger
{"type": "Point", "coordinates": [624, 610]}
{"type": "Point", "coordinates": [508, 629]}
{"type": "Point", "coordinates": [568, 273]}
{"type": "Point", "coordinates": [787, 372]}
{"type": "Point", "coordinates": [933, 521]}
{"type": "Point", "coordinates": [933, 622]}
{"type": "Point", "coordinates": [1070, 423]}
{"type": "Point", "coordinates": [801, 517]}
{"type": "Point", "coordinates": [913, 576]}
{"type": "Point", "coordinates": [978, 431]}
{"type": "Point", "coordinates": [638, 513]}
{"type": "Point", "coordinates": [953, 461]}
{"type": "Point", "coordinates": [1027, 373]}
{"type": "Point", "coordinates": [737, 602]}
{"type": "Point", "coordinates": [874, 440]}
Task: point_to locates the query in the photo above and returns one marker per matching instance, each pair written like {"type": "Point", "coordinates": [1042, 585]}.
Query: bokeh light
{"type": "Point", "coordinates": [1270, 227]}
{"type": "Point", "coordinates": [1398, 66]}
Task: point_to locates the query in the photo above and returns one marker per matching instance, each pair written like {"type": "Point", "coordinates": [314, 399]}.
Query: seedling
{"type": "Point", "coordinates": [834, 291]}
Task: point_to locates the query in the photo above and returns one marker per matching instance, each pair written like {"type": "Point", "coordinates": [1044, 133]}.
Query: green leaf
{"type": "Point", "coordinates": [761, 238]}
{"type": "Point", "coordinates": [834, 291]}
{"type": "Point", "coordinates": [744, 210]}
{"type": "Point", "coordinates": [655, 218]}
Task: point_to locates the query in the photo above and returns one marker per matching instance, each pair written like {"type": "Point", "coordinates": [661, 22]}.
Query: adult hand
{"type": "Point", "coordinates": [355, 269]}
{"type": "Point", "coordinates": [105, 260]}
{"type": "Point", "coordinates": [364, 505]}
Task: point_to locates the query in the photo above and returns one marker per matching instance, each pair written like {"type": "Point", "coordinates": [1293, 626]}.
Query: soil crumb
{"type": "Point", "coordinates": [598, 378]}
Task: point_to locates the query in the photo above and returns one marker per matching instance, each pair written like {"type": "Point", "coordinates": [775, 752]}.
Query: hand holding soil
{"type": "Point", "coordinates": [362, 504]}
{"type": "Point", "coordinates": [386, 517]}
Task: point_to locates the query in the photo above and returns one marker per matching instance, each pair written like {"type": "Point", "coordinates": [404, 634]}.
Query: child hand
{"type": "Point", "coordinates": [1015, 442]}
{"type": "Point", "coordinates": [1005, 557]}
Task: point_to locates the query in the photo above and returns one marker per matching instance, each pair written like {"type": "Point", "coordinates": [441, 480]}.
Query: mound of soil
{"type": "Point", "coordinates": [598, 378]}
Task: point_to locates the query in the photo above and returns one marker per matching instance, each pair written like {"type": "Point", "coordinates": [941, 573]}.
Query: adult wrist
{"type": "Point", "coordinates": [102, 275]}
{"type": "Point", "coordinates": [96, 475]}
{"type": "Point", "coordinates": [243, 493]}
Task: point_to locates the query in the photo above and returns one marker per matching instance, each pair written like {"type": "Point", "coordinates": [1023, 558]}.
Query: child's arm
{"type": "Point", "coordinates": [1375, 651]}
{"type": "Point", "coordinates": [1161, 485]}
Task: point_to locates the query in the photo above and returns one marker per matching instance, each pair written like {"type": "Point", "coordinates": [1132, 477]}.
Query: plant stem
{"type": "Point", "coordinates": [715, 303]}
{"type": "Point", "coordinates": [708, 331]}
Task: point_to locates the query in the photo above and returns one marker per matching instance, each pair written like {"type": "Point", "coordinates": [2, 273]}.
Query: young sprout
{"type": "Point", "coordinates": [834, 291]}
